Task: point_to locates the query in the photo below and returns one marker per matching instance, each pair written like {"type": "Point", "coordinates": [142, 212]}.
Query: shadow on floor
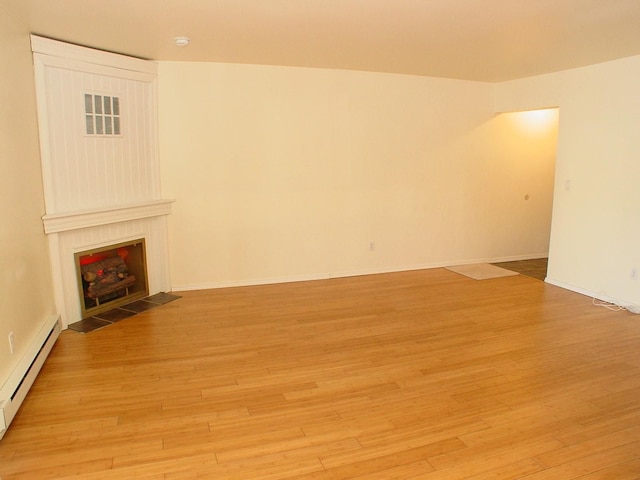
{"type": "Point", "coordinates": [536, 268]}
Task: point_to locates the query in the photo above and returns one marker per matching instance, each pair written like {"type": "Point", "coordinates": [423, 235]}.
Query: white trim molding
{"type": "Point", "coordinates": [56, 48]}
{"type": "Point", "coordinates": [62, 222]}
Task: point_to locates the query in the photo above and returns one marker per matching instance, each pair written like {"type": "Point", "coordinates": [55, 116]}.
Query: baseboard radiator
{"type": "Point", "coordinates": [15, 389]}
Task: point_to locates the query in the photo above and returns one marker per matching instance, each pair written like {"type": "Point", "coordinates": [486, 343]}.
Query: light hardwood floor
{"type": "Point", "coordinates": [415, 375]}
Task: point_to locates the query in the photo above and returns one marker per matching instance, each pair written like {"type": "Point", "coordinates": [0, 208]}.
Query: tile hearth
{"type": "Point", "coordinates": [110, 317]}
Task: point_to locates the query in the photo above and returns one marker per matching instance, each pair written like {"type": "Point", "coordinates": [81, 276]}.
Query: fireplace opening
{"type": "Point", "coordinates": [111, 276]}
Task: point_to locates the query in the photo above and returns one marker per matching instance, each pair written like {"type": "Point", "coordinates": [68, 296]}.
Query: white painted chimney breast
{"type": "Point", "coordinates": [102, 187]}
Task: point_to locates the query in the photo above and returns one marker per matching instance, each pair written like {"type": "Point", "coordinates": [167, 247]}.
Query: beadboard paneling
{"type": "Point", "coordinates": [97, 171]}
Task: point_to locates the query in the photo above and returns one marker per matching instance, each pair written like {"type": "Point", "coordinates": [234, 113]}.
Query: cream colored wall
{"type": "Point", "coordinates": [289, 173]}
{"type": "Point", "coordinates": [596, 216]}
{"type": "Point", "coordinates": [26, 294]}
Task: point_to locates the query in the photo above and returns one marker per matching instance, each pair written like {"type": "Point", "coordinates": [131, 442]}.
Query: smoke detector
{"type": "Point", "coordinates": [182, 41]}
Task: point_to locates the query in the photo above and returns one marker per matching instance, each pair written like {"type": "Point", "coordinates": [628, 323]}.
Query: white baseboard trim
{"type": "Point", "coordinates": [248, 283]}
{"type": "Point", "coordinates": [17, 385]}
{"type": "Point", "coordinates": [588, 293]}
{"type": "Point", "coordinates": [348, 273]}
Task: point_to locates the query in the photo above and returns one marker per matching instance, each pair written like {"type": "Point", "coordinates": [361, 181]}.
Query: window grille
{"type": "Point", "coordinates": [102, 114]}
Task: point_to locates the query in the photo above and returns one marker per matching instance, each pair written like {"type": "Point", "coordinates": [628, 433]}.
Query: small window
{"type": "Point", "coordinates": [102, 114]}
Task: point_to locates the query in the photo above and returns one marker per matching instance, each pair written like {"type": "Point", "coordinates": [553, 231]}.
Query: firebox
{"type": "Point", "coordinates": [111, 276]}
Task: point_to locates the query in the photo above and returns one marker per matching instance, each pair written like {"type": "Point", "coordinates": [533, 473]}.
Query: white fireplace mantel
{"type": "Point", "coordinates": [101, 183]}
{"type": "Point", "coordinates": [62, 222]}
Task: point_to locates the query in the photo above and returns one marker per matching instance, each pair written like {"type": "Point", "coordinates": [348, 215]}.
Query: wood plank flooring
{"type": "Point", "coordinates": [415, 375]}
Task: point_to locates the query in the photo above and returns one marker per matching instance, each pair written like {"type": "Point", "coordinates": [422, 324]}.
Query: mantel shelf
{"type": "Point", "coordinates": [62, 222]}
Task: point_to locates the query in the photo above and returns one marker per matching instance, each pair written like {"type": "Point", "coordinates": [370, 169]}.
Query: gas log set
{"type": "Point", "coordinates": [111, 276]}
{"type": "Point", "coordinates": [106, 276]}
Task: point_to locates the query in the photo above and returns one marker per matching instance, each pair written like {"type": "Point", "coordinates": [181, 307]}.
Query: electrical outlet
{"type": "Point", "coordinates": [372, 246]}
{"type": "Point", "coordinates": [12, 342]}
{"type": "Point", "coordinates": [634, 273]}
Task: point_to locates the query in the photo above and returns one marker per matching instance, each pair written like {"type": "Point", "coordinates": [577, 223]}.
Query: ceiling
{"type": "Point", "coordinates": [483, 40]}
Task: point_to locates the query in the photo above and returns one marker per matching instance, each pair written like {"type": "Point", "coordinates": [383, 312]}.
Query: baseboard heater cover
{"type": "Point", "coordinates": [15, 389]}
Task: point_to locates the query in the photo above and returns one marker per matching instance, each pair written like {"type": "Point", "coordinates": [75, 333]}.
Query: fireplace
{"type": "Point", "coordinates": [111, 276]}
{"type": "Point", "coordinates": [101, 184]}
